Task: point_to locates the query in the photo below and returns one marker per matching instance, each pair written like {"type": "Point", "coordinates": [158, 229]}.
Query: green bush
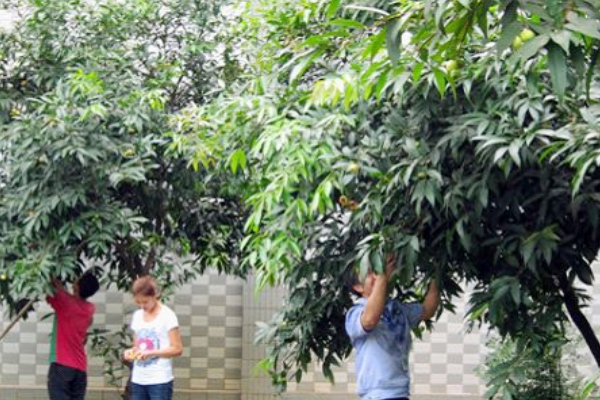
{"type": "Point", "coordinates": [545, 371]}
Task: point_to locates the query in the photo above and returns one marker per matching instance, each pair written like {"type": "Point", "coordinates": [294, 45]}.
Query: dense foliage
{"type": "Point", "coordinates": [413, 128]}
{"type": "Point", "coordinates": [91, 172]}
{"type": "Point", "coordinates": [460, 135]}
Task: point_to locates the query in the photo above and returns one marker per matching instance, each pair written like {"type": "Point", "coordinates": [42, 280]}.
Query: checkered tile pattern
{"type": "Point", "coordinates": [210, 317]}
{"type": "Point", "coordinates": [257, 307]}
{"type": "Point", "coordinates": [217, 315]}
{"type": "Point", "coordinates": [443, 363]}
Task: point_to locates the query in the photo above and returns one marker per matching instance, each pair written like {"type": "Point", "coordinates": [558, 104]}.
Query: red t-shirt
{"type": "Point", "coordinates": [73, 316]}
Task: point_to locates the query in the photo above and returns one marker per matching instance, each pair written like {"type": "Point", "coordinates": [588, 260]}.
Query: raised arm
{"type": "Point", "coordinates": [432, 301]}
{"type": "Point", "coordinates": [377, 298]}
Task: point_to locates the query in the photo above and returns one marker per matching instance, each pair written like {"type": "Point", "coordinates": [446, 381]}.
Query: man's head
{"type": "Point", "coordinates": [360, 287]}
{"type": "Point", "coordinates": [86, 286]}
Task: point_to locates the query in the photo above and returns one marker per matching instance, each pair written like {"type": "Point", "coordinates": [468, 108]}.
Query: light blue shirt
{"type": "Point", "coordinates": [382, 353]}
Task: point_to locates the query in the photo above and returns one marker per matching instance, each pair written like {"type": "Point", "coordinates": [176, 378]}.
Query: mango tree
{"type": "Point", "coordinates": [420, 128]}
{"type": "Point", "coordinates": [90, 174]}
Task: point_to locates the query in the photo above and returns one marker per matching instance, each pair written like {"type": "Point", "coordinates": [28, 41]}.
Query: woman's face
{"type": "Point", "coordinates": [146, 303]}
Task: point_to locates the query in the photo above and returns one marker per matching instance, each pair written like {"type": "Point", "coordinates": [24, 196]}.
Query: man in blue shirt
{"type": "Point", "coordinates": [379, 330]}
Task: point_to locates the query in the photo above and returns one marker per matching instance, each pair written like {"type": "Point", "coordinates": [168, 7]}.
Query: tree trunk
{"type": "Point", "coordinates": [582, 323]}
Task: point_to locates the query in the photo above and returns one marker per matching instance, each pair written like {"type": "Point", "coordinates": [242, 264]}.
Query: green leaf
{"type": "Point", "coordinates": [527, 250]}
{"type": "Point", "coordinates": [500, 292]}
{"type": "Point", "coordinates": [557, 62]}
{"type": "Point", "coordinates": [579, 61]}
{"type": "Point", "coordinates": [440, 81]}
{"type": "Point", "coordinates": [562, 38]}
{"type": "Point", "coordinates": [430, 192]}
{"type": "Point", "coordinates": [414, 243]}
{"type": "Point", "coordinates": [514, 149]}
{"type": "Point", "coordinates": [367, 9]}
{"type": "Point", "coordinates": [533, 46]}
{"type": "Point", "coordinates": [347, 23]}
{"type": "Point", "coordinates": [416, 74]}
{"type": "Point", "coordinates": [510, 26]}
{"type": "Point", "coordinates": [376, 262]}
{"type": "Point", "coordinates": [334, 6]}
{"type": "Point", "coordinates": [393, 39]}
{"type": "Point", "coordinates": [580, 175]}
{"type": "Point", "coordinates": [515, 292]}
{"type": "Point", "coordinates": [303, 64]}
{"type": "Point", "coordinates": [365, 264]}
{"type": "Point", "coordinates": [238, 158]}
{"type": "Point", "coordinates": [585, 26]}
{"type": "Point", "coordinates": [376, 44]}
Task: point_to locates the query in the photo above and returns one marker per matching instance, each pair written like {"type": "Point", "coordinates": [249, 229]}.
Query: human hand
{"type": "Point", "coordinates": [129, 354]}
{"type": "Point", "coordinates": [144, 354]}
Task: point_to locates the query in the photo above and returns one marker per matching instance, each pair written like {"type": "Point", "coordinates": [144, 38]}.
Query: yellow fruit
{"type": "Point", "coordinates": [352, 205]}
{"type": "Point", "coordinates": [526, 34]}
{"type": "Point", "coordinates": [3, 277]}
{"type": "Point", "coordinates": [450, 66]}
{"type": "Point", "coordinates": [517, 43]}
{"type": "Point", "coordinates": [343, 200]}
{"type": "Point", "coordinates": [421, 175]}
{"type": "Point", "coordinates": [14, 112]}
{"type": "Point", "coordinates": [128, 153]}
{"type": "Point", "coordinates": [353, 168]}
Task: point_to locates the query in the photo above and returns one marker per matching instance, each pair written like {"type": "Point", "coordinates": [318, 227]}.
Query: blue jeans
{"type": "Point", "coordinates": [163, 391]}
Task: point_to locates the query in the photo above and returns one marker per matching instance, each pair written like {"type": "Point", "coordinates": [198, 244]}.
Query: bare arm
{"type": "Point", "coordinates": [432, 301]}
{"type": "Point", "coordinates": [378, 297]}
{"type": "Point", "coordinates": [375, 303]}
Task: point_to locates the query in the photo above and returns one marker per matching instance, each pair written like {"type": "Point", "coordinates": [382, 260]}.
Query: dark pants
{"type": "Point", "coordinates": [163, 391]}
{"type": "Point", "coordinates": [66, 383]}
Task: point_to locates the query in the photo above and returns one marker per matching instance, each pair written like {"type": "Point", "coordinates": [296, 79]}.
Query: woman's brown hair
{"type": "Point", "coordinates": [145, 286]}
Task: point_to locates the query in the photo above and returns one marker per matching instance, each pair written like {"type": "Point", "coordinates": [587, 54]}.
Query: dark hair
{"type": "Point", "coordinates": [88, 285]}
{"type": "Point", "coordinates": [145, 286]}
{"type": "Point", "coordinates": [351, 279]}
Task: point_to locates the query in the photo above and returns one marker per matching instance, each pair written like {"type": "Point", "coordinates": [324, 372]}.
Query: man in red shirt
{"type": "Point", "coordinates": [67, 377]}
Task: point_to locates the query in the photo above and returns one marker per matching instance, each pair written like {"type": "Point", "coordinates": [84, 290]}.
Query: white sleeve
{"type": "Point", "coordinates": [171, 321]}
{"type": "Point", "coordinates": [134, 321]}
{"type": "Point", "coordinates": [354, 327]}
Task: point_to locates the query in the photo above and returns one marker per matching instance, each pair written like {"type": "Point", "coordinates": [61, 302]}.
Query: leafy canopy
{"type": "Point", "coordinates": [91, 172]}
{"type": "Point", "coordinates": [413, 128]}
